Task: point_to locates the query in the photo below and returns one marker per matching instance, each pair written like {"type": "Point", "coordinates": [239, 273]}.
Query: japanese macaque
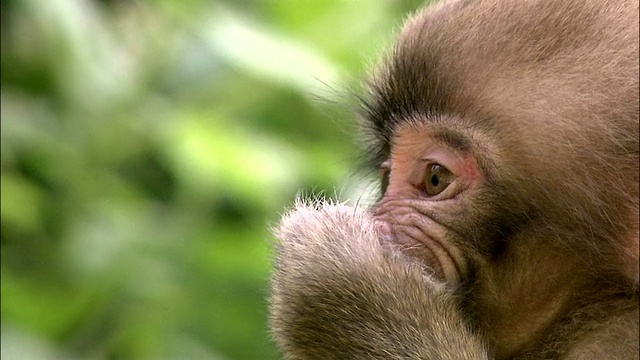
{"type": "Point", "coordinates": [506, 134]}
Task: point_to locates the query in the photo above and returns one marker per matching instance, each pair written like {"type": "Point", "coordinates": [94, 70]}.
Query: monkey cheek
{"type": "Point", "coordinates": [434, 257]}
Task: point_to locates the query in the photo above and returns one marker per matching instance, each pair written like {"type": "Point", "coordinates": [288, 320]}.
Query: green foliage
{"type": "Point", "coordinates": [147, 146]}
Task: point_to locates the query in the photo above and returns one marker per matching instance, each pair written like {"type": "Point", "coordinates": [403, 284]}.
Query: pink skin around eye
{"type": "Point", "coordinates": [463, 166]}
{"type": "Point", "coordinates": [413, 149]}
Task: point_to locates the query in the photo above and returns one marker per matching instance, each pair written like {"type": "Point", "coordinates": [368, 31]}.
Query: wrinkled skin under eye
{"type": "Point", "coordinates": [400, 222]}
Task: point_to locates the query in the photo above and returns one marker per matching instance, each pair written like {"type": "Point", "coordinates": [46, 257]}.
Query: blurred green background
{"type": "Point", "coordinates": [147, 146]}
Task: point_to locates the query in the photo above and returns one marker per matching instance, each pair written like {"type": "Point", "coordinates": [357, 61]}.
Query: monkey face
{"type": "Point", "coordinates": [490, 145]}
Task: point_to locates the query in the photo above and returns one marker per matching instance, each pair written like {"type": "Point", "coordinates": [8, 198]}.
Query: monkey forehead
{"type": "Point", "coordinates": [531, 74]}
{"type": "Point", "coordinates": [469, 57]}
{"type": "Point", "coordinates": [513, 36]}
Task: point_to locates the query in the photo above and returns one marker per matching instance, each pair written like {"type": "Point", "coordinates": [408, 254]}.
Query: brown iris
{"type": "Point", "coordinates": [436, 179]}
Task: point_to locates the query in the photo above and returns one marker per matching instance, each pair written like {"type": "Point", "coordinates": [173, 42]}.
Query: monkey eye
{"type": "Point", "coordinates": [385, 172]}
{"type": "Point", "coordinates": [437, 179]}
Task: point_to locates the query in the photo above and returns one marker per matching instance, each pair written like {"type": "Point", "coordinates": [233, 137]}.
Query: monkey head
{"type": "Point", "coordinates": [506, 136]}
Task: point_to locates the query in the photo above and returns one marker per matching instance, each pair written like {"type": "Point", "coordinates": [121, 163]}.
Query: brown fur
{"type": "Point", "coordinates": [534, 252]}
{"type": "Point", "coordinates": [336, 294]}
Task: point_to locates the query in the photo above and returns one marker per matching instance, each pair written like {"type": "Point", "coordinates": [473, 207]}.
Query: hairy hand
{"type": "Point", "coordinates": [338, 293]}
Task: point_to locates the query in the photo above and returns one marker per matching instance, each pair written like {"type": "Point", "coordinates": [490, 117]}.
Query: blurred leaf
{"type": "Point", "coordinates": [146, 148]}
{"type": "Point", "coordinates": [213, 156]}
{"type": "Point", "coordinates": [21, 202]}
{"type": "Point", "coordinates": [266, 53]}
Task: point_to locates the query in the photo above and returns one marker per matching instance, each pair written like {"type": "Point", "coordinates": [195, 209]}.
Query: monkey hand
{"type": "Point", "coordinates": [337, 293]}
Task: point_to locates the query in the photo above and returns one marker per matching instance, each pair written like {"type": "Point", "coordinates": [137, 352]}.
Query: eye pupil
{"type": "Point", "coordinates": [435, 180]}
